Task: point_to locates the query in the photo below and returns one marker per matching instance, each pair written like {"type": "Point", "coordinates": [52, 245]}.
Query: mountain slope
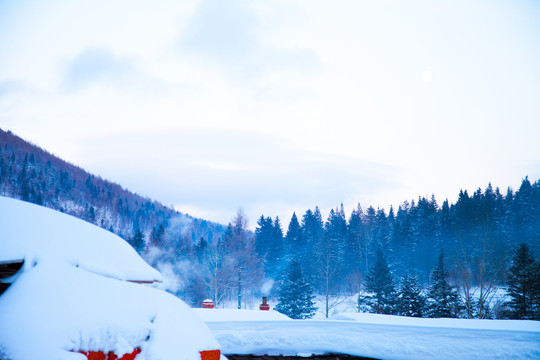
{"type": "Point", "coordinates": [32, 174]}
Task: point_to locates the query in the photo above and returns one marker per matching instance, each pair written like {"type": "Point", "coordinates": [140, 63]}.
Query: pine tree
{"type": "Point", "coordinates": [269, 244]}
{"type": "Point", "coordinates": [138, 241]}
{"type": "Point", "coordinates": [276, 252]}
{"type": "Point", "coordinates": [536, 292]}
{"type": "Point", "coordinates": [157, 236]}
{"type": "Point", "coordinates": [355, 241]}
{"type": "Point", "coordinates": [200, 249]}
{"type": "Point", "coordinates": [312, 226]}
{"type": "Point", "coordinates": [380, 282]}
{"type": "Point", "coordinates": [443, 300]}
{"type": "Point", "coordinates": [293, 239]}
{"type": "Point", "coordinates": [296, 294]}
{"type": "Point", "coordinates": [410, 301]}
{"type": "Point", "coordinates": [312, 232]}
{"type": "Point", "coordinates": [263, 236]}
{"type": "Point", "coordinates": [91, 215]}
{"type": "Point", "coordinates": [336, 231]}
{"type": "Point", "coordinates": [523, 285]}
{"type": "Point", "coordinates": [370, 223]}
{"type": "Point", "coordinates": [328, 256]}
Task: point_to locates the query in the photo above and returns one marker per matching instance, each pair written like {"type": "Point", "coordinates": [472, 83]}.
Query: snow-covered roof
{"type": "Point", "coordinates": [378, 336]}
{"type": "Point", "coordinates": [70, 295]}
{"type": "Point", "coordinates": [212, 315]}
{"type": "Point", "coordinates": [81, 311]}
{"type": "Point", "coordinates": [33, 232]}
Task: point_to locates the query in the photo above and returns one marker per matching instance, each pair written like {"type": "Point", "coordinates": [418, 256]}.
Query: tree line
{"type": "Point", "coordinates": [440, 299]}
{"type": "Point", "coordinates": [478, 234]}
{"type": "Point", "coordinates": [337, 256]}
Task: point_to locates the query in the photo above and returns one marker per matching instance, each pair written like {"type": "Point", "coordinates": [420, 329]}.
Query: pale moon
{"type": "Point", "coordinates": [427, 76]}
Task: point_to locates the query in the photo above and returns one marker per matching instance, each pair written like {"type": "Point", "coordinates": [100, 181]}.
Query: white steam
{"type": "Point", "coordinates": [171, 281]}
{"type": "Point", "coordinates": [180, 224]}
{"type": "Point", "coordinates": [267, 286]}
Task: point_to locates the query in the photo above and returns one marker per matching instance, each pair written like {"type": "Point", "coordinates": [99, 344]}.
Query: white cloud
{"type": "Point", "coordinates": [230, 169]}
{"type": "Point", "coordinates": [220, 104]}
{"type": "Point", "coordinates": [95, 64]}
{"type": "Point", "coordinates": [221, 31]}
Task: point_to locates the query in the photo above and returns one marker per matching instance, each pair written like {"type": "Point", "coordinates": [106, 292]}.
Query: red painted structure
{"type": "Point", "coordinates": [100, 355]}
{"type": "Point", "coordinates": [210, 355]}
{"type": "Point", "coordinates": [208, 304]}
{"type": "Point", "coordinates": [264, 306]}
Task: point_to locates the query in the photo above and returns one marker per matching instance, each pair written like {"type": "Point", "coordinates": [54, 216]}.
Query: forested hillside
{"type": "Point", "coordinates": [30, 173]}
{"type": "Point", "coordinates": [339, 255]}
{"type": "Point", "coordinates": [466, 247]}
{"type": "Point", "coordinates": [478, 235]}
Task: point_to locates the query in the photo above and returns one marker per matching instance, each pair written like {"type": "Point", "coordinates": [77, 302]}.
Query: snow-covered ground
{"type": "Point", "coordinates": [71, 294]}
{"type": "Point", "coordinates": [377, 336]}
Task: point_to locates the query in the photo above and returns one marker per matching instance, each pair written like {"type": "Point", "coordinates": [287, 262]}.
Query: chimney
{"type": "Point", "coordinates": [264, 306]}
{"type": "Point", "coordinates": [208, 304]}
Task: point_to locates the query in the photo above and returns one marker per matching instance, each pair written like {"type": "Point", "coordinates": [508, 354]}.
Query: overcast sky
{"type": "Point", "coordinates": [275, 106]}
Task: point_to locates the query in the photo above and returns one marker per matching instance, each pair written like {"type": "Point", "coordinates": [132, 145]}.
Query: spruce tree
{"type": "Point", "coordinates": [523, 285]}
{"type": "Point", "coordinates": [157, 235]}
{"type": "Point", "coordinates": [312, 232]}
{"type": "Point", "coordinates": [296, 294]}
{"type": "Point", "coordinates": [336, 233]}
{"type": "Point", "coordinates": [536, 292]}
{"type": "Point", "coordinates": [410, 301]}
{"type": "Point", "coordinates": [380, 282]}
{"type": "Point", "coordinates": [263, 236]}
{"type": "Point", "coordinates": [269, 245]}
{"type": "Point", "coordinates": [293, 239]}
{"type": "Point", "coordinates": [276, 252]}
{"type": "Point", "coordinates": [355, 241]}
{"type": "Point", "coordinates": [443, 299]}
{"type": "Point", "coordinates": [138, 241]}
{"type": "Point", "coordinates": [200, 249]}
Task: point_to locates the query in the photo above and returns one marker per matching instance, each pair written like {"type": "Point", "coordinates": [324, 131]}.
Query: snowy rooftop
{"type": "Point", "coordinates": [212, 315]}
{"type": "Point", "coordinates": [70, 295]}
{"type": "Point", "coordinates": [34, 233]}
{"type": "Point", "coordinates": [377, 336]}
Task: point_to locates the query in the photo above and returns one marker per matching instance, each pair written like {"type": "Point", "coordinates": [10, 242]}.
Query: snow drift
{"type": "Point", "coordinates": [33, 232]}
{"type": "Point", "coordinates": [71, 295]}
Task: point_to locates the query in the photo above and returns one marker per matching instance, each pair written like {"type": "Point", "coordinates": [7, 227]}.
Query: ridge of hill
{"type": "Point", "coordinates": [30, 173]}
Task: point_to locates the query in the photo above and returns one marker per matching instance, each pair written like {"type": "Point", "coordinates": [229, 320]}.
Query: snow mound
{"type": "Point", "coordinates": [212, 315]}
{"type": "Point", "coordinates": [70, 295]}
{"type": "Point", "coordinates": [57, 308]}
{"type": "Point", "coordinates": [33, 233]}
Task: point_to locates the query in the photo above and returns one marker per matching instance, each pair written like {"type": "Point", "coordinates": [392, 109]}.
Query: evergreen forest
{"type": "Point", "coordinates": [377, 251]}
